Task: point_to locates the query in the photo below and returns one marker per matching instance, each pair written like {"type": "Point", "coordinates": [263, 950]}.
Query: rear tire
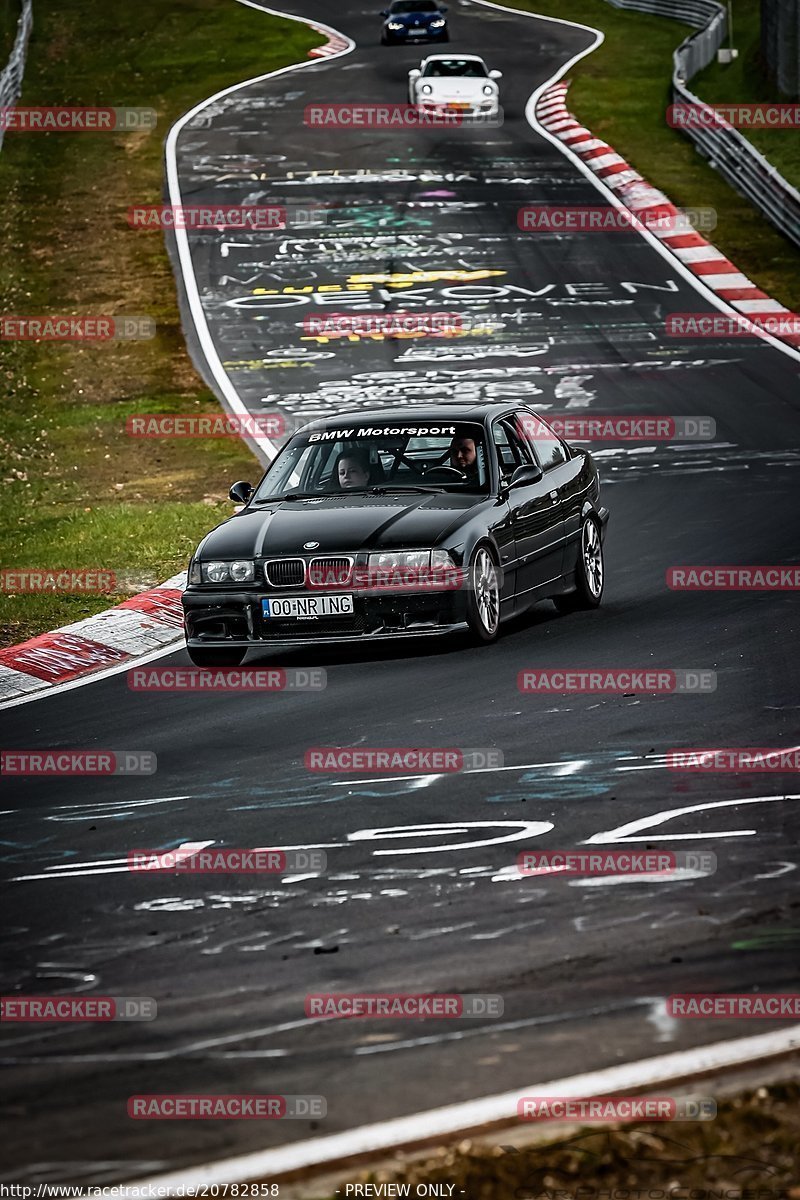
{"type": "Point", "coordinates": [483, 596]}
{"type": "Point", "coordinates": [590, 574]}
{"type": "Point", "coordinates": [216, 656]}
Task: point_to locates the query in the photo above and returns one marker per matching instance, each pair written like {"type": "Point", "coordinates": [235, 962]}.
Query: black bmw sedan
{"type": "Point", "coordinates": [391, 523]}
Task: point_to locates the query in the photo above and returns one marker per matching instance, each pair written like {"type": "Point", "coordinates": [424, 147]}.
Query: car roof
{"type": "Point", "coordinates": [448, 413]}
{"type": "Point", "coordinates": [450, 57]}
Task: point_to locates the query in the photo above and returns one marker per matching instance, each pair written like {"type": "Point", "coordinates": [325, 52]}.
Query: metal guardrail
{"type": "Point", "coordinates": [727, 150]}
{"type": "Point", "coordinates": [11, 75]}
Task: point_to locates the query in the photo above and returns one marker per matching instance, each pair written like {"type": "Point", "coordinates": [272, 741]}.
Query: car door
{"type": "Point", "coordinates": [564, 476]}
{"type": "Point", "coordinates": [535, 512]}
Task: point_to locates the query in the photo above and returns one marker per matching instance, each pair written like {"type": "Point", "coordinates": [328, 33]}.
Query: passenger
{"type": "Point", "coordinates": [352, 470]}
{"type": "Point", "coordinates": [464, 457]}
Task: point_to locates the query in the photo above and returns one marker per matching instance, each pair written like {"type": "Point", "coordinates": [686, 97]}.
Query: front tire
{"type": "Point", "coordinates": [216, 656]}
{"type": "Point", "coordinates": [483, 597]}
{"type": "Point", "coordinates": [590, 573]}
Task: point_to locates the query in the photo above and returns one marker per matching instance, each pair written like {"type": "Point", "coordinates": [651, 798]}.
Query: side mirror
{"type": "Point", "coordinates": [414, 73]}
{"type": "Point", "coordinates": [495, 74]}
{"type": "Point", "coordinates": [384, 12]}
{"type": "Point", "coordinates": [525, 475]}
{"type": "Point", "coordinates": [241, 492]}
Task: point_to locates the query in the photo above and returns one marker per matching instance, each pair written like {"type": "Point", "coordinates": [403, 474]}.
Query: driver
{"type": "Point", "coordinates": [464, 456]}
{"type": "Point", "coordinates": [351, 470]}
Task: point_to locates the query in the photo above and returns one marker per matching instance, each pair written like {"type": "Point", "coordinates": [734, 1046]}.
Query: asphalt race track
{"type": "Point", "coordinates": [421, 893]}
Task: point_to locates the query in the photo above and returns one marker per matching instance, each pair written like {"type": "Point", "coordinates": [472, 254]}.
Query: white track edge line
{"type": "Point", "coordinates": [472, 1114]}
{"type": "Point", "coordinates": [230, 395]}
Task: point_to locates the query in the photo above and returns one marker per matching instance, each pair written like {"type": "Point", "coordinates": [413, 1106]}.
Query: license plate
{"type": "Point", "coordinates": [417, 32]}
{"type": "Point", "coordinates": [460, 105]}
{"type": "Point", "coordinates": [300, 608]}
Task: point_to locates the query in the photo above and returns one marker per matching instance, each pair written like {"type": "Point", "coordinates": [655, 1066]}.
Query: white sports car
{"type": "Point", "coordinates": [461, 83]}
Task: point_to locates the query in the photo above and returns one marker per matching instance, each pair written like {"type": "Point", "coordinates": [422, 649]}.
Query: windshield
{"type": "Point", "coordinates": [413, 6]}
{"type": "Point", "coordinates": [360, 459]}
{"type": "Point", "coordinates": [456, 68]}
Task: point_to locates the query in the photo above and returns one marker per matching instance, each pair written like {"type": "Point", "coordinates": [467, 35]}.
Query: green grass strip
{"type": "Point", "coordinates": [75, 490]}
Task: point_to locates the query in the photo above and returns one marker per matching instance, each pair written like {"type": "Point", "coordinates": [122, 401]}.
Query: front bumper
{"type": "Point", "coordinates": [430, 35]}
{"type": "Point", "coordinates": [233, 618]}
{"type": "Point", "coordinates": [486, 110]}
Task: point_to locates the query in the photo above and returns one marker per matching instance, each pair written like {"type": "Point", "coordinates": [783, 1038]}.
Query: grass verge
{"type": "Point", "coordinates": [621, 93]}
{"type": "Point", "coordinates": [75, 491]}
{"type": "Point", "coordinates": [744, 80]}
{"type": "Point", "coordinates": [9, 16]}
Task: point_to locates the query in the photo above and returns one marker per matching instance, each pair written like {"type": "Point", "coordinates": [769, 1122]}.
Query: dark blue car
{"type": "Point", "coordinates": [414, 21]}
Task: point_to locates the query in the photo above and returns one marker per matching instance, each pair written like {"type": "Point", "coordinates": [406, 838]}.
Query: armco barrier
{"type": "Point", "coordinates": [11, 75]}
{"type": "Point", "coordinates": [727, 150]}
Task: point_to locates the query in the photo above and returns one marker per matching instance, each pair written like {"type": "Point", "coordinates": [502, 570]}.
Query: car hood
{"type": "Point", "coordinates": [420, 18]}
{"type": "Point", "coordinates": [339, 524]}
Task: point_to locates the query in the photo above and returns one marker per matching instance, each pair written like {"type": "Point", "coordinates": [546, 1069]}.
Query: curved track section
{"type": "Point", "coordinates": [421, 893]}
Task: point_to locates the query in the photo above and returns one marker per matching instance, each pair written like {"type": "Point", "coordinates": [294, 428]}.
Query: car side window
{"type": "Point", "coordinates": [540, 440]}
{"type": "Point", "coordinates": [510, 449]}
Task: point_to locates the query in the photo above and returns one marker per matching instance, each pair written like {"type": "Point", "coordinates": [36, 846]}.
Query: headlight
{"type": "Point", "coordinates": [395, 25]}
{"type": "Point", "coordinates": [395, 560]}
{"type": "Point", "coordinates": [426, 89]}
{"type": "Point", "coordinates": [440, 24]}
{"type": "Point", "coordinates": [241, 571]}
{"type": "Point", "coordinates": [195, 575]}
{"type": "Point", "coordinates": [488, 89]}
{"type": "Point", "coordinates": [441, 560]}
